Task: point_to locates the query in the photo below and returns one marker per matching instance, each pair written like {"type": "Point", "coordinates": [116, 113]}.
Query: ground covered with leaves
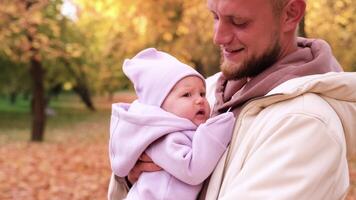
{"type": "Point", "coordinates": [71, 170]}
{"type": "Point", "coordinates": [70, 164]}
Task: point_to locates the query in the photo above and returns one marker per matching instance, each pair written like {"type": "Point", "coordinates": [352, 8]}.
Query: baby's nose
{"type": "Point", "coordinates": [199, 100]}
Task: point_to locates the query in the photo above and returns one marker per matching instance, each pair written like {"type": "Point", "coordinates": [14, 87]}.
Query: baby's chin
{"type": "Point", "coordinates": [198, 122]}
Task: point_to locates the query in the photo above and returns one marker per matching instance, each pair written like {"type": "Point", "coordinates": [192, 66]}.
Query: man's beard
{"type": "Point", "coordinates": [252, 66]}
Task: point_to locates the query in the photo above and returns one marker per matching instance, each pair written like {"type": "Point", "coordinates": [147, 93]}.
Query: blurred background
{"type": "Point", "coordinates": [60, 71]}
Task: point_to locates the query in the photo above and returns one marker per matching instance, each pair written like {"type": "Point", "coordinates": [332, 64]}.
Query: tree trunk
{"type": "Point", "coordinates": [37, 75]}
{"type": "Point", "coordinates": [81, 88]}
{"type": "Point", "coordinates": [84, 94]}
{"type": "Point", "coordinates": [38, 100]}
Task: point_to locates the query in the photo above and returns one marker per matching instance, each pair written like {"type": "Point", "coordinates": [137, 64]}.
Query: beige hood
{"type": "Point", "coordinates": [338, 89]}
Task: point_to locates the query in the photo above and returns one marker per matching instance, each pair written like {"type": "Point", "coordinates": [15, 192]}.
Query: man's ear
{"type": "Point", "coordinates": [292, 14]}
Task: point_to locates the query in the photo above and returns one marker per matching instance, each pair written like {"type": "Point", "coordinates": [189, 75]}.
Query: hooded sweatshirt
{"type": "Point", "coordinates": [312, 57]}
{"type": "Point", "coordinates": [187, 153]}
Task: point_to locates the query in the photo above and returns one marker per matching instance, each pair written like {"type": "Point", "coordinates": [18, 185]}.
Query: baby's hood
{"type": "Point", "coordinates": [154, 73]}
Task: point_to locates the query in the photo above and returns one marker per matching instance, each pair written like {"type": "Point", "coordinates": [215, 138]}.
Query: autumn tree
{"type": "Point", "coordinates": [334, 21]}
{"type": "Point", "coordinates": [30, 41]}
{"type": "Point", "coordinates": [183, 28]}
{"type": "Point", "coordinates": [11, 73]}
{"type": "Point", "coordinates": [23, 40]}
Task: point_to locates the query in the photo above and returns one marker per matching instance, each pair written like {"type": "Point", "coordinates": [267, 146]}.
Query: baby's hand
{"type": "Point", "coordinates": [144, 164]}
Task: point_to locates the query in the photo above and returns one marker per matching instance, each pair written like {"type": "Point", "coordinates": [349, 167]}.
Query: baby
{"type": "Point", "coordinates": [170, 122]}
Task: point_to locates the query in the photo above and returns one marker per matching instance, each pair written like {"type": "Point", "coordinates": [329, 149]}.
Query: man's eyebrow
{"type": "Point", "coordinates": [233, 15]}
{"type": "Point", "coordinates": [212, 12]}
{"type": "Point", "coordinates": [237, 17]}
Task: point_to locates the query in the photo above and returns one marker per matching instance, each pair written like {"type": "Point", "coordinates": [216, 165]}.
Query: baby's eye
{"type": "Point", "coordinates": [202, 94]}
{"type": "Point", "coordinates": [187, 94]}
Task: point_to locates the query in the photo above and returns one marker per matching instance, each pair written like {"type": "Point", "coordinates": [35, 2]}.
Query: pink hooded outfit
{"type": "Point", "coordinates": [187, 153]}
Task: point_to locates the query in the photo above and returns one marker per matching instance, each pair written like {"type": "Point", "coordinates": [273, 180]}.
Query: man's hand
{"type": "Point", "coordinates": [144, 164]}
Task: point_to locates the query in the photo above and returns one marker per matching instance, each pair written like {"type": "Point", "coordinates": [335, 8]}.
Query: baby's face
{"type": "Point", "coordinates": [187, 100]}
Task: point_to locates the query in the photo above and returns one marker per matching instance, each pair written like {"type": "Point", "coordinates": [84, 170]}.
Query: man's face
{"type": "Point", "coordinates": [248, 34]}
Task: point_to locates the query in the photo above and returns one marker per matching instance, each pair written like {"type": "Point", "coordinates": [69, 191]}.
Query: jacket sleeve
{"type": "Point", "coordinates": [192, 161]}
{"type": "Point", "coordinates": [299, 157]}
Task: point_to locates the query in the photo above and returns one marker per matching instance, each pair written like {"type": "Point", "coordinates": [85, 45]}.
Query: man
{"type": "Point", "coordinates": [295, 109]}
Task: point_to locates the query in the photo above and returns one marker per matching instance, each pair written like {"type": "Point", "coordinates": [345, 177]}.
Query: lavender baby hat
{"type": "Point", "coordinates": [154, 74]}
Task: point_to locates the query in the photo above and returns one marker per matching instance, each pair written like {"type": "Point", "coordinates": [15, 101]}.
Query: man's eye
{"type": "Point", "coordinates": [187, 94]}
{"type": "Point", "coordinates": [241, 25]}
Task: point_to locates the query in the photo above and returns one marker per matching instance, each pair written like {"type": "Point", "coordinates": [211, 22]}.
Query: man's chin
{"type": "Point", "coordinates": [231, 70]}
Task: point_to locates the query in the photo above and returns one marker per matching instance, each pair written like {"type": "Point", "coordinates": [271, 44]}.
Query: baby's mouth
{"type": "Point", "coordinates": [201, 112]}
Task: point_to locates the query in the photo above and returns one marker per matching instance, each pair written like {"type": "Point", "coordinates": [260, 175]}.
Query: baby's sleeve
{"type": "Point", "coordinates": [193, 160]}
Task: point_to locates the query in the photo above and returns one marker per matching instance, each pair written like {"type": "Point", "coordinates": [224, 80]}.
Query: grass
{"type": "Point", "coordinates": [15, 120]}
{"type": "Point", "coordinates": [14, 116]}
{"type": "Point", "coordinates": [70, 119]}
{"type": "Point", "coordinates": [69, 115]}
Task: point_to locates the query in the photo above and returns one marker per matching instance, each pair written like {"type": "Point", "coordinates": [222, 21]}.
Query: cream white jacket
{"type": "Point", "coordinates": [291, 144]}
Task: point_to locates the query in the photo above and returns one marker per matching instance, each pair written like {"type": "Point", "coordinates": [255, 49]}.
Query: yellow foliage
{"type": "Point", "coordinates": [334, 21]}
{"type": "Point", "coordinates": [168, 37]}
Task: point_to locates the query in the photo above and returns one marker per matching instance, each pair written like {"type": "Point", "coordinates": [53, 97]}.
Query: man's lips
{"type": "Point", "coordinates": [231, 52]}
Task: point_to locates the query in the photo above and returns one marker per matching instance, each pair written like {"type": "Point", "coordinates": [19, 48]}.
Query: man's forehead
{"type": "Point", "coordinates": [237, 7]}
{"type": "Point", "coordinates": [215, 4]}
{"type": "Point", "coordinates": [231, 5]}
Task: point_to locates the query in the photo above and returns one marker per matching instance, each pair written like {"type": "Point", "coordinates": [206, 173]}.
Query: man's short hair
{"type": "Point", "coordinates": [278, 6]}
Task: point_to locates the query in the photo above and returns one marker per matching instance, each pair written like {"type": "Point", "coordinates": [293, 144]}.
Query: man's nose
{"type": "Point", "coordinates": [222, 33]}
